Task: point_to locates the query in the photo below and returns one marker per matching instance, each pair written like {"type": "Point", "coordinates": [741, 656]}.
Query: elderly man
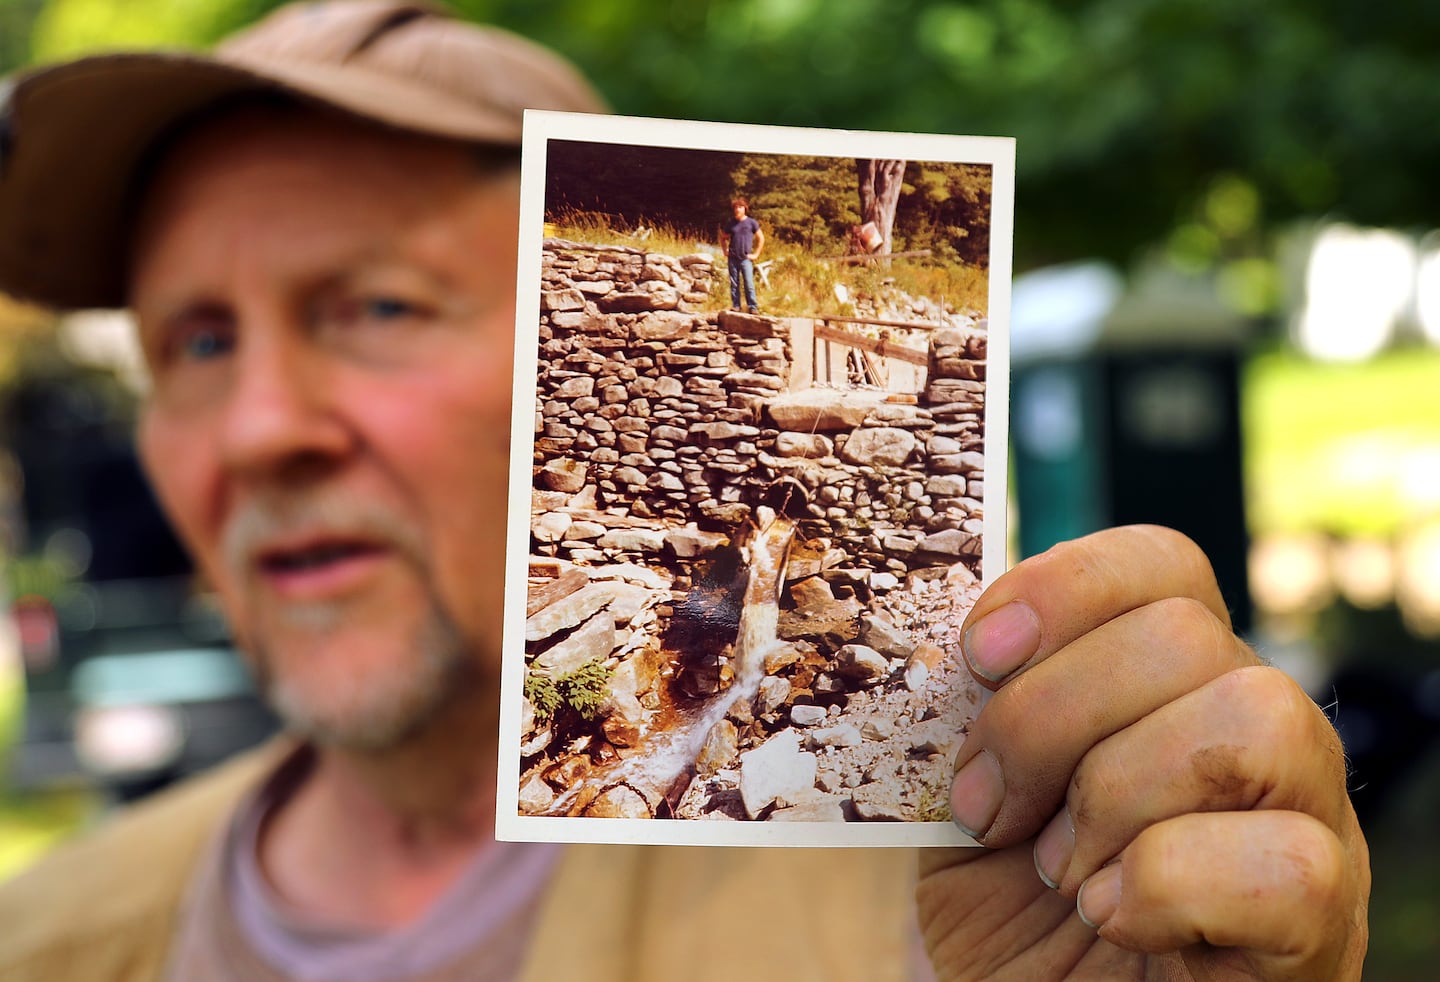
{"type": "Point", "coordinates": [316, 232]}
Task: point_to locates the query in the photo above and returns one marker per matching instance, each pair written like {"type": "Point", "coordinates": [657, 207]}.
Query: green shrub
{"type": "Point", "coordinates": [586, 689]}
{"type": "Point", "coordinates": [583, 691]}
{"type": "Point", "coordinates": [543, 694]}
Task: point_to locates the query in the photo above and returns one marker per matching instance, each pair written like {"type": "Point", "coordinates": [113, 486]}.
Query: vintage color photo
{"type": "Point", "coordinates": [760, 373]}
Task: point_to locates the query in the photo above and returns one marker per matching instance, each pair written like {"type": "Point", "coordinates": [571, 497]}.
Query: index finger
{"type": "Point", "coordinates": [1049, 600]}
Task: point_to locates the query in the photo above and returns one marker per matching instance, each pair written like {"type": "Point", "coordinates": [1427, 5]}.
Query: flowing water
{"type": "Point", "coordinates": [664, 756]}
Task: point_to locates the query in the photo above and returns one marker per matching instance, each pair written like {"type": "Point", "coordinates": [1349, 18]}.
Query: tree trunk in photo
{"type": "Point", "coordinates": [880, 182]}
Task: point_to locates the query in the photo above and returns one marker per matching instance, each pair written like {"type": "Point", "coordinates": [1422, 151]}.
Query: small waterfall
{"type": "Point", "coordinates": [663, 757]}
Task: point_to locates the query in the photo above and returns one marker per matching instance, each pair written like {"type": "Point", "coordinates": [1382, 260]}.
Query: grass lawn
{"type": "Point", "coordinates": [1352, 449]}
{"type": "Point", "coordinates": [31, 823]}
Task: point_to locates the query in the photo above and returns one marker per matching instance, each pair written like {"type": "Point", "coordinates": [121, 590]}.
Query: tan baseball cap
{"type": "Point", "coordinates": [73, 135]}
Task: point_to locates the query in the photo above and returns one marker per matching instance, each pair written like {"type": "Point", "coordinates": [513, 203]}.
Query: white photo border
{"type": "Point", "coordinates": [540, 128]}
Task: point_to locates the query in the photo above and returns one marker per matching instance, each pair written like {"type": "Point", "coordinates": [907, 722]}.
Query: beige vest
{"type": "Point", "coordinates": [104, 908]}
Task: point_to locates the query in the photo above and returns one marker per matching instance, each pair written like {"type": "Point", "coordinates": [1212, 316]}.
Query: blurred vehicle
{"type": "Point", "coordinates": [130, 684]}
{"type": "Point", "coordinates": [130, 676]}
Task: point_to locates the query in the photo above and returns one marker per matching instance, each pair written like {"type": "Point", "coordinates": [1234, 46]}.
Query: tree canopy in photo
{"type": "Point", "coordinates": [808, 201]}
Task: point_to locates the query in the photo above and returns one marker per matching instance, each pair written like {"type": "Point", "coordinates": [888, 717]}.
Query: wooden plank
{"type": "Point", "coordinates": [917, 325]}
{"type": "Point", "coordinates": [540, 597]}
{"type": "Point", "coordinates": [887, 349]}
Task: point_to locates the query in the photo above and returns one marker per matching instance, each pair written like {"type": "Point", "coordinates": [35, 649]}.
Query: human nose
{"type": "Point", "coordinates": [280, 414]}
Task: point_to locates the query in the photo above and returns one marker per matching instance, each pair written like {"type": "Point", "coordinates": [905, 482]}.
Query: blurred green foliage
{"type": "Point", "coordinates": [1130, 114]}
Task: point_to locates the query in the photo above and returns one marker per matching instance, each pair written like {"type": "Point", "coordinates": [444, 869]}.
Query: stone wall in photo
{"type": "Point", "coordinates": [659, 428]}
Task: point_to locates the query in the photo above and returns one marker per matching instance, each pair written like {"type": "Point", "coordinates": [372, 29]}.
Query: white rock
{"type": "Point", "coordinates": [883, 582]}
{"type": "Point", "coordinates": [878, 729]}
{"type": "Point", "coordinates": [551, 526]}
{"type": "Point", "coordinates": [776, 768]}
{"type": "Point", "coordinates": [862, 663]}
{"type": "Point", "coordinates": [772, 694]}
{"type": "Point", "coordinates": [935, 736]}
{"type": "Point", "coordinates": [844, 735]}
{"type": "Point", "coordinates": [917, 673]}
{"type": "Point", "coordinates": [821, 808]}
{"type": "Point", "coordinates": [535, 795]}
{"type": "Point", "coordinates": [806, 715]}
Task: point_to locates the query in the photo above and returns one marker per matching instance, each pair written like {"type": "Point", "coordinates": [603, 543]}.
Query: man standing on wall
{"type": "Point", "coordinates": [743, 242]}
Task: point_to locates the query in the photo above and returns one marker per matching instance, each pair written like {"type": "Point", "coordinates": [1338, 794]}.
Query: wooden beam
{"type": "Point", "coordinates": [887, 349]}
{"type": "Point", "coordinates": [917, 325]}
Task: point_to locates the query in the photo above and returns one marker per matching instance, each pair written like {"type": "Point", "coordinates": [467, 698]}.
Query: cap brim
{"type": "Point", "coordinates": [72, 137]}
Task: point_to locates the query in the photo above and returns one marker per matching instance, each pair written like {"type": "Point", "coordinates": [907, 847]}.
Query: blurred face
{"type": "Point", "coordinates": [327, 314]}
{"type": "Point", "coordinates": [739, 210]}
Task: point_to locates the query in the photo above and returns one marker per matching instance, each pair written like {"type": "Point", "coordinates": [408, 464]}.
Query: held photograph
{"type": "Point", "coordinates": [759, 374]}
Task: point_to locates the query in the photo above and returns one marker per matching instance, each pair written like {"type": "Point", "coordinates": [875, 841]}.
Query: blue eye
{"type": "Point", "coordinates": [204, 344]}
{"type": "Point", "coordinates": [386, 308]}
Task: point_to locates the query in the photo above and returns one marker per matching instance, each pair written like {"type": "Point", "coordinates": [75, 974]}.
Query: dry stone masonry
{"type": "Point", "coordinates": [691, 417]}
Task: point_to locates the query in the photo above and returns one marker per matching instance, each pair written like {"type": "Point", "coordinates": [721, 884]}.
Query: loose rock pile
{"type": "Point", "coordinates": [857, 718]}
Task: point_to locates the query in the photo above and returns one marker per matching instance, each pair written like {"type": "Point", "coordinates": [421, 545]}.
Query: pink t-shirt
{"type": "Point", "coordinates": [236, 927]}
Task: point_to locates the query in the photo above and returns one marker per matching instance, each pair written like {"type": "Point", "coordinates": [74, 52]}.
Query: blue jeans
{"type": "Point", "coordinates": [742, 269]}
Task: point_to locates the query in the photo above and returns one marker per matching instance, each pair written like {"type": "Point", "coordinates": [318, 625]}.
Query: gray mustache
{"type": "Point", "coordinates": [261, 520]}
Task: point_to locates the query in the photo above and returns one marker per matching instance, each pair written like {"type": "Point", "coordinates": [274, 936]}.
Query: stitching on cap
{"type": "Point", "coordinates": [393, 20]}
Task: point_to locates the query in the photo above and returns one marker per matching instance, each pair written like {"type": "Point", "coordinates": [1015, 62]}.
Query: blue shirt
{"type": "Point", "coordinates": [742, 236]}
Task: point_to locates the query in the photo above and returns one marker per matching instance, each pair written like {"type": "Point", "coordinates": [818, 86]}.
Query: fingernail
{"type": "Point", "coordinates": [1002, 640]}
{"type": "Point", "coordinates": [1054, 848]}
{"type": "Point", "coordinates": [1099, 897]}
{"type": "Point", "coordinates": [976, 794]}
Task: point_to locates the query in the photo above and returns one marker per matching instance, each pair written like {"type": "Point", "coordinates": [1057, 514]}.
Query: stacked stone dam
{"type": "Point", "coordinates": [658, 427]}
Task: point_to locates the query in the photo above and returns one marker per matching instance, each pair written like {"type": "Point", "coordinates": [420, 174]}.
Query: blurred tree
{"type": "Point", "coordinates": [16, 17]}
{"type": "Point", "coordinates": [1127, 112]}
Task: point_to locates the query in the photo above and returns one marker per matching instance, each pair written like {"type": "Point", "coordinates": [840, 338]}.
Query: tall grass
{"type": "Point", "coordinates": [799, 284]}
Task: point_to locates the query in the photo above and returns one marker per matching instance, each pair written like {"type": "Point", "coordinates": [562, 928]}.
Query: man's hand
{"type": "Point", "coordinates": [1142, 759]}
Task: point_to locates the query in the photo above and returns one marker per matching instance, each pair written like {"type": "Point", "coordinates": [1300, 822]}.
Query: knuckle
{"type": "Point", "coordinates": [1004, 720]}
{"type": "Point", "coordinates": [1194, 630]}
{"type": "Point", "coordinates": [1319, 866]}
{"type": "Point", "coordinates": [1274, 701]}
{"type": "Point", "coordinates": [1185, 617]}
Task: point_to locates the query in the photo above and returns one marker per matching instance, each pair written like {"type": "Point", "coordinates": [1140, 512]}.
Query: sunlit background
{"type": "Point", "coordinates": [1227, 318]}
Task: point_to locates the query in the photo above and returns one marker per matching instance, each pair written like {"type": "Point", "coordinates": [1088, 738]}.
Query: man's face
{"type": "Point", "coordinates": [328, 315]}
{"type": "Point", "coordinates": [739, 211]}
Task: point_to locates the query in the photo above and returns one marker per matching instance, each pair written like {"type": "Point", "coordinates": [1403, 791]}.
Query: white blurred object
{"type": "Point", "coordinates": [1419, 580]}
{"type": "Point", "coordinates": [1060, 310]}
{"type": "Point", "coordinates": [106, 339]}
{"type": "Point", "coordinates": [1290, 573]}
{"type": "Point", "coordinates": [1358, 284]}
{"type": "Point", "coordinates": [129, 739]}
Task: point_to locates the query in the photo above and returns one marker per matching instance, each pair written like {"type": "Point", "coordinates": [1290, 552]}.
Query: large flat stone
{"type": "Point", "coordinates": [568, 612]}
{"type": "Point", "coordinates": [593, 639]}
{"type": "Point", "coordinates": [812, 410]}
{"type": "Point", "coordinates": [879, 446]}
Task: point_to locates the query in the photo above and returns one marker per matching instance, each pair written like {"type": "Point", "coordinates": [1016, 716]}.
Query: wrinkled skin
{"type": "Point", "coordinates": [1195, 794]}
